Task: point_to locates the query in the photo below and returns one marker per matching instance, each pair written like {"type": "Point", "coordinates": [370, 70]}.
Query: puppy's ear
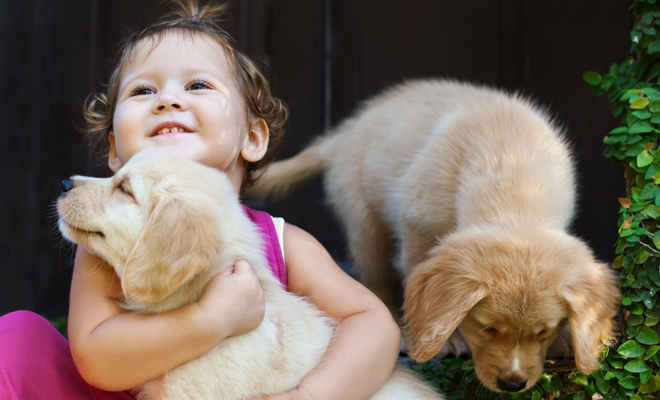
{"type": "Point", "coordinates": [437, 299]}
{"type": "Point", "coordinates": [592, 304]}
{"type": "Point", "coordinates": [178, 242]}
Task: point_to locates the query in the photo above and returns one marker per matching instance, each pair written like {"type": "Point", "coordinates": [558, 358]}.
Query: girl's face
{"type": "Point", "coordinates": [178, 94]}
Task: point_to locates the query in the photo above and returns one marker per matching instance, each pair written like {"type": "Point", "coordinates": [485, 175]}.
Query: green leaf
{"type": "Point", "coordinates": [592, 78]}
{"type": "Point", "coordinates": [656, 240]}
{"type": "Point", "coordinates": [536, 395]}
{"type": "Point", "coordinates": [641, 257]}
{"type": "Point", "coordinates": [580, 379]}
{"type": "Point", "coordinates": [629, 382]}
{"type": "Point", "coordinates": [626, 232]}
{"type": "Point", "coordinates": [626, 301]}
{"type": "Point", "coordinates": [647, 336]}
{"type": "Point", "coordinates": [655, 105]}
{"type": "Point", "coordinates": [645, 376]}
{"type": "Point", "coordinates": [644, 159]}
{"type": "Point", "coordinates": [603, 386]}
{"type": "Point", "coordinates": [654, 270]}
{"type": "Point", "coordinates": [652, 211]}
{"type": "Point", "coordinates": [629, 349]}
{"type": "Point", "coordinates": [636, 366]}
{"type": "Point", "coordinates": [579, 395]}
{"type": "Point", "coordinates": [651, 386]}
{"type": "Point", "coordinates": [624, 129]}
{"type": "Point", "coordinates": [652, 170]}
{"type": "Point", "coordinates": [618, 364]}
{"type": "Point", "coordinates": [641, 127]}
{"type": "Point", "coordinates": [650, 191]}
{"type": "Point", "coordinates": [628, 262]}
{"type": "Point", "coordinates": [652, 313]}
{"type": "Point", "coordinates": [640, 103]}
{"type": "Point", "coordinates": [642, 114]}
{"type": "Point", "coordinates": [636, 308]}
{"type": "Point", "coordinates": [635, 320]}
{"type": "Point", "coordinates": [651, 321]}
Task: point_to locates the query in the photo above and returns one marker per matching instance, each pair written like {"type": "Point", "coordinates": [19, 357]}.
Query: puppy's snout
{"type": "Point", "coordinates": [65, 186]}
{"type": "Point", "coordinates": [511, 386]}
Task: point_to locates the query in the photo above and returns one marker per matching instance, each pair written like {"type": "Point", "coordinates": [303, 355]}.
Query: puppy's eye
{"type": "Point", "coordinates": [123, 187]}
{"type": "Point", "coordinates": [543, 332]}
{"type": "Point", "coordinates": [490, 330]}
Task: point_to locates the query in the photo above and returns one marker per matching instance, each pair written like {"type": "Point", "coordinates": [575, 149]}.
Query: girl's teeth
{"type": "Point", "coordinates": [168, 130]}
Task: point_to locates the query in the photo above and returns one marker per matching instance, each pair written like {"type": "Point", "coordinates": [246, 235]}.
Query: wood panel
{"type": "Point", "coordinates": [44, 58]}
{"type": "Point", "coordinates": [296, 51]}
{"type": "Point", "coordinates": [571, 38]}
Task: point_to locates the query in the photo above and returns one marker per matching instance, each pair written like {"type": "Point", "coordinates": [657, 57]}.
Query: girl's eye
{"type": "Point", "coordinates": [199, 85]}
{"type": "Point", "coordinates": [142, 91]}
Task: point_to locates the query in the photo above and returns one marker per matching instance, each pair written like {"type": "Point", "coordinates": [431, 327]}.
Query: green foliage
{"type": "Point", "coordinates": [633, 90]}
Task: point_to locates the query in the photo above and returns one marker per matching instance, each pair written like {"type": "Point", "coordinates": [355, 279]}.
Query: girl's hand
{"type": "Point", "coordinates": [233, 302]}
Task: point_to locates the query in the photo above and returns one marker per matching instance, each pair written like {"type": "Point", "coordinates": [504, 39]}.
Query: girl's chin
{"type": "Point", "coordinates": [178, 150]}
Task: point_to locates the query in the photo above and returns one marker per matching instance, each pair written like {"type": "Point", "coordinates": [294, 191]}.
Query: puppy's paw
{"type": "Point", "coordinates": [454, 346]}
{"type": "Point", "coordinates": [562, 347]}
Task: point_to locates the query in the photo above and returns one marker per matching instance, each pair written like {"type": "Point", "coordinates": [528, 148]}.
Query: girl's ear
{"type": "Point", "coordinates": [256, 142]}
{"type": "Point", "coordinates": [113, 160]}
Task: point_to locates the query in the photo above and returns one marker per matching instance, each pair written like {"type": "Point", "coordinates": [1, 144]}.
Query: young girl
{"type": "Point", "coordinates": [180, 85]}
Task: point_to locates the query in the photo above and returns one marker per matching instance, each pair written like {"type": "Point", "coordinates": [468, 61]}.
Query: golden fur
{"type": "Point", "coordinates": [167, 225]}
{"type": "Point", "coordinates": [468, 193]}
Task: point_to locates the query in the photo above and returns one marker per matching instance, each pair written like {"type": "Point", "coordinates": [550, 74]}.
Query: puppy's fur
{"type": "Point", "coordinates": [468, 193]}
{"type": "Point", "coordinates": [167, 225]}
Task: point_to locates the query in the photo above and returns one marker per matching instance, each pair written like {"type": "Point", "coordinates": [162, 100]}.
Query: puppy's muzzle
{"type": "Point", "coordinates": [511, 386]}
{"type": "Point", "coordinates": [65, 186]}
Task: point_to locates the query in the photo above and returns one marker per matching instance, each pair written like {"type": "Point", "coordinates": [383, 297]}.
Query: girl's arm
{"type": "Point", "coordinates": [115, 350]}
{"type": "Point", "coordinates": [366, 346]}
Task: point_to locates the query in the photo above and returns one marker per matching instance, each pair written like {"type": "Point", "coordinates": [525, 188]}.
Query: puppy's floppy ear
{"type": "Point", "coordinates": [592, 303]}
{"type": "Point", "coordinates": [178, 242]}
{"type": "Point", "coordinates": [437, 299]}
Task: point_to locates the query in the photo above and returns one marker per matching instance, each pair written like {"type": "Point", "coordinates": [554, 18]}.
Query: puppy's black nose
{"type": "Point", "coordinates": [65, 186]}
{"type": "Point", "coordinates": [511, 386]}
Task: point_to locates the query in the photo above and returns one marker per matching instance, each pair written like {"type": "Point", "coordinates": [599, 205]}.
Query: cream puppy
{"type": "Point", "coordinates": [167, 225]}
{"type": "Point", "coordinates": [468, 193]}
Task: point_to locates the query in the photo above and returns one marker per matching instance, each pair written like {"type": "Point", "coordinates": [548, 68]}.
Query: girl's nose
{"type": "Point", "coordinates": [168, 102]}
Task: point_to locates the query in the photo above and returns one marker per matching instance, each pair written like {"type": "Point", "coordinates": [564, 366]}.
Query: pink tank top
{"type": "Point", "coordinates": [272, 248]}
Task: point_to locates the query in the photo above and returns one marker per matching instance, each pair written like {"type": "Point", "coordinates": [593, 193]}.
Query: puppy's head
{"type": "Point", "coordinates": [510, 293]}
{"type": "Point", "coordinates": [155, 222]}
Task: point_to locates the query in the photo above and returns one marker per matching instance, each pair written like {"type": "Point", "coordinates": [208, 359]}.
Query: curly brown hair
{"type": "Point", "coordinates": [191, 18]}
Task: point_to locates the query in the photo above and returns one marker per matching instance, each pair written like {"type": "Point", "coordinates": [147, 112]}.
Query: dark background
{"type": "Point", "coordinates": [322, 57]}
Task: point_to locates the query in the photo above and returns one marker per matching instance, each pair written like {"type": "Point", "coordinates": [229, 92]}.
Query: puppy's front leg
{"type": "Point", "coordinates": [562, 347]}
{"type": "Point", "coordinates": [454, 346]}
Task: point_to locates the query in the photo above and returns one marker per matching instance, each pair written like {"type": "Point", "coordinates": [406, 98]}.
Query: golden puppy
{"type": "Point", "coordinates": [167, 225]}
{"type": "Point", "coordinates": [468, 193]}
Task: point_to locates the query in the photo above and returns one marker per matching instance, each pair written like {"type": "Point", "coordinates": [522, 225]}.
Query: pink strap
{"type": "Point", "coordinates": [272, 248]}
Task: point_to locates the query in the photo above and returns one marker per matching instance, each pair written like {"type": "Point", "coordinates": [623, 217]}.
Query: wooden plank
{"type": "Point", "coordinates": [296, 54]}
{"type": "Point", "coordinates": [568, 38]}
{"type": "Point", "coordinates": [381, 43]}
{"type": "Point", "coordinates": [43, 79]}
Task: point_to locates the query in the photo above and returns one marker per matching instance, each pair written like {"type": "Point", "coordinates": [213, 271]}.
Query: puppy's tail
{"type": "Point", "coordinates": [282, 176]}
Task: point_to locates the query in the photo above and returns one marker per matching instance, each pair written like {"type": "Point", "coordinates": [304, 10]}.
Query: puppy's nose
{"type": "Point", "coordinates": [65, 186]}
{"type": "Point", "coordinates": [511, 386]}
